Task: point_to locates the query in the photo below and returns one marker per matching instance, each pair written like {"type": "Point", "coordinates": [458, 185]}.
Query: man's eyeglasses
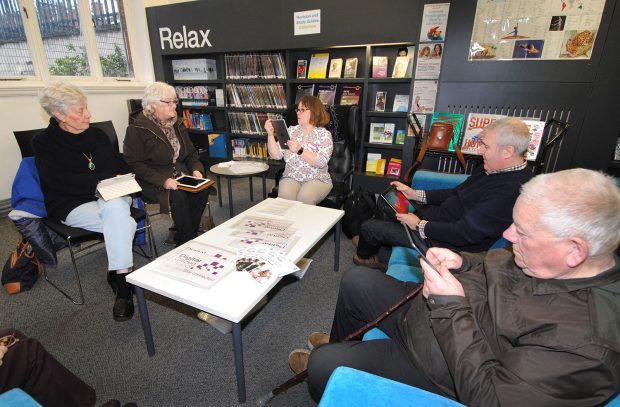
{"type": "Point", "coordinates": [170, 102]}
{"type": "Point", "coordinates": [301, 110]}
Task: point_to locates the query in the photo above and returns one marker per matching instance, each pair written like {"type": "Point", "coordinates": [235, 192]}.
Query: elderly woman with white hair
{"type": "Point", "coordinates": [158, 150]}
{"type": "Point", "coordinates": [72, 158]}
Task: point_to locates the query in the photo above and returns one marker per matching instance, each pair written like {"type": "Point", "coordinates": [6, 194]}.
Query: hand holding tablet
{"type": "Point", "coordinates": [396, 200]}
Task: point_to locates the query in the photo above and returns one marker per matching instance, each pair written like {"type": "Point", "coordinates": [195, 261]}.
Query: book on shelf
{"type": "Point", "coordinates": [335, 68]}
{"type": "Point", "coordinates": [302, 68]}
{"type": "Point", "coordinates": [399, 137]}
{"type": "Point", "coordinates": [194, 69]}
{"type": "Point", "coordinates": [400, 67]}
{"type": "Point", "coordinates": [303, 90]}
{"type": "Point", "coordinates": [371, 161]}
{"type": "Point", "coordinates": [380, 101]}
{"type": "Point", "coordinates": [318, 65]}
{"type": "Point", "coordinates": [257, 96]}
{"type": "Point", "coordinates": [379, 66]}
{"type": "Point", "coordinates": [219, 97]}
{"type": "Point", "coordinates": [197, 120]}
{"type": "Point", "coordinates": [327, 94]}
{"type": "Point", "coordinates": [456, 119]}
{"type": "Point", "coordinates": [376, 132]}
{"type": "Point", "coordinates": [380, 168]}
{"type": "Point", "coordinates": [350, 95]}
{"type": "Point", "coordinates": [218, 145]}
{"type": "Point", "coordinates": [473, 128]}
{"type": "Point", "coordinates": [388, 133]}
{"type": "Point", "coordinates": [246, 148]}
{"type": "Point", "coordinates": [401, 103]}
{"type": "Point", "coordinates": [394, 166]}
{"type": "Point", "coordinates": [252, 66]}
{"type": "Point", "coordinates": [537, 128]}
{"type": "Point", "coordinates": [250, 122]}
{"type": "Point", "coordinates": [350, 68]}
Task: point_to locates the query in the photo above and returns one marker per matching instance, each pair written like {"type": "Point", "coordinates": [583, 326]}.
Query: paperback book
{"type": "Point", "coordinates": [457, 122]}
{"type": "Point", "coordinates": [399, 137]}
{"type": "Point", "coordinates": [394, 166]}
{"type": "Point", "coordinates": [327, 94]}
{"type": "Point", "coordinates": [350, 68]}
{"type": "Point", "coordinates": [473, 128]}
{"type": "Point", "coordinates": [380, 101]}
{"type": "Point", "coordinates": [380, 170]}
{"type": "Point", "coordinates": [350, 95]}
{"type": "Point", "coordinates": [401, 103]}
{"type": "Point", "coordinates": [335, 68]}
{"type": "Point", "coordinates": [302, 69]}
{"type": "Point", "coordinates": [400, 67]}
{"type": "Point", "coordinates": [318, 66]}
{"type": "Point", "coordinates": [371, 161]}
{"type": "Point", "coordinates": [379, 66]}
{"type": "Point", "coordinates": [376, 132]}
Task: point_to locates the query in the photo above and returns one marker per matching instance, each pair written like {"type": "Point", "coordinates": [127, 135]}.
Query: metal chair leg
{"type": "Point", "coordinates": [77, 276]}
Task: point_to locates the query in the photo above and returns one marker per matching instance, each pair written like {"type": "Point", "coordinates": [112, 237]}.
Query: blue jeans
{"type": "Point", "coordinates": [113, 219]}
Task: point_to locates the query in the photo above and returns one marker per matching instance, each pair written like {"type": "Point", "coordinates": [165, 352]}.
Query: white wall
{"type": "Point", "coordinates": [19, 107]}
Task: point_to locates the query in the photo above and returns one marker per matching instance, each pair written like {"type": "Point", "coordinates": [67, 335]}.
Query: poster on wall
{"type": "Point", "coordinates": [429, 61]}
{"type": "Point", "coordinates": [424, 95]}
{"type": "Point", "coordinates": [434, 22]}
{"type": "Point", "coordinates": [535, 30]}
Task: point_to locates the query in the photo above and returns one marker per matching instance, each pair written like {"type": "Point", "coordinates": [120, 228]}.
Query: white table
{"type": "Point", "coordinates": [234, 296]}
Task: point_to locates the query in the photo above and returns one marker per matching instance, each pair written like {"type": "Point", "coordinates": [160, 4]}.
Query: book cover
{"type": "Point", "coordinates": [457, 121]}
{"type": "Point", "coordinates": [189, 69]}
{"type": "Point", "coordinates": [537, 127]}
{"type": "Point", "coordinates": [380, 101]}
{"type": "Point", "coordinates": [335, 68]}
{"type": "Point", "coordinates": [327, 94]}
{"type": "Point", "coordinates": [350, 95]}
{"type": "Point", "coordinates": [318, 66]}
{"type": "Point", "coordinates": [388, 133]}
{"type": "Point", "coordinates": [303, 90]}
{"type": "Point", "coordinates": [394, 166]}
{"type": "Point", "coordinates": [471, 135]}
{"type": "Point", "coordinates": [400, 67]}
{"type": "Point", "coordinates": [424, 95]}
{"type": "Point", "coordinates": [399, 138]}
{"type": "Point", "coordinates": [379, 66]}
{"type": "Point", "coordinates": [350, 68]}
{"type": "Point", "coordinates": [376, 132]}
{"type": "Point", "coordinates": [218, 145]}
{"type": "Point", "coordinates": [219, 97]}
{"type": "Point", "coordinates": [371, 161]}
{"type": "Point", "coordinates": [401, 103]}
{"type": "Point", "coordinates": [380, 168]}
{"type": "Point", "coordinates": [302, 69]}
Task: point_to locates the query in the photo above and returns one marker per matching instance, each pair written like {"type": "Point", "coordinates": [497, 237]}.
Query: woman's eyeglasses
{"type": "Point", "coordinates": [301, 110]}
{"type": "Point", "coordinates": [170, 102]}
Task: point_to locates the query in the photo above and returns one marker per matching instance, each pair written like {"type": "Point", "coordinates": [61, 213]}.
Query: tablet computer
{"type": "Point", "coordinates": [396, 200]}
{"type": "Point", "coordinates": [281, 132]}
{"type": "Point", "coordinates": [191, 182]}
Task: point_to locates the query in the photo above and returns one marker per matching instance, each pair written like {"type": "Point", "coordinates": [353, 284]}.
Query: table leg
{"type": "Point", "coordinates": [219, 190]}
{"type": "Point", "coordinates": [230, 201]}
{"type": "Point", "coordinates": [238, 347]}
{"type": "Point", "coordinates": [144, 317]}
{"type": "Point", "coordinates": [251, 189]}
{"type": "Point", "coordinates": [337, 247]}
{"type": "Point", "coordinates": [264, 185]}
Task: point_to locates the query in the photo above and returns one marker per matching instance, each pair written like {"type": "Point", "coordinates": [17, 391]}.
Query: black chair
{"type": "Point", "coordinates": [344, 126]}
{"type": "Point", "coordinates": [76, 237]}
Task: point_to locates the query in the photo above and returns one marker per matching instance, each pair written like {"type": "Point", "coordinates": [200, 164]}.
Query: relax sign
{"type": "Point", "coordinates": [183, 39]}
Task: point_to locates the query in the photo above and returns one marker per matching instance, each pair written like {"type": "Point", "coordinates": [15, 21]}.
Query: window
{"type": "Point", "coordinates": [71, 44]}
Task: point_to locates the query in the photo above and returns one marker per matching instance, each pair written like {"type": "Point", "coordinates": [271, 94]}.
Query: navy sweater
{"type": "Point", "coordinates": [66, 180]}
{"type": "Point", "coordinates": [472, 216]}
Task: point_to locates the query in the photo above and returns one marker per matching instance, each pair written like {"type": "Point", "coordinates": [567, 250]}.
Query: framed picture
{"type": "Point", "coordinates": [302, 69]}
{"type": "Point", "coordinates": [380, 101]}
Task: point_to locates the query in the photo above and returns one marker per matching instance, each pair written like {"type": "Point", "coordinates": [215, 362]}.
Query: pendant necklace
{"type": "Point", "coordinates": [91, 164]}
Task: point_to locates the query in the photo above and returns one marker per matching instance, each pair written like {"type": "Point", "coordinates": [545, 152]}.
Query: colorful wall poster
{"type": "Point", "coordinates": [434, 22]}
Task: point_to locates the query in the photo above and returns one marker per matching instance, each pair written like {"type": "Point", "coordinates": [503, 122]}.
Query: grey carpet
{"type": "Point", "coordinates": [193, 364]}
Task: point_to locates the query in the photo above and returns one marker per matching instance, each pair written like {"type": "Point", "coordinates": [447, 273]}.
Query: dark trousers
{"type": "Point", "coordinates": [187, 209]}
{"type": "Point", "coordinates": [28, 366]}
{"type": "Point", "coordinates": [364, 295]}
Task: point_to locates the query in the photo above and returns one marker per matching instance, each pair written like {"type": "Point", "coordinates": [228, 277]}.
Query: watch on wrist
{"type": "Point", "coordinates": [300, 151]}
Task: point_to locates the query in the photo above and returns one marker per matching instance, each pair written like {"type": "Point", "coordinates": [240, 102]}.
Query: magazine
{"type": "Point", "coordinates": [350, 68]}
{"type": "Point", "coordinates": [335, 68]}
{"type": "Point", "coordinates": [379, 67]}
{"type": "Point", "coordinates": [400, 67]}
{"type": "Point", "coordinates": [327, 94]}
{"type": "Point", "coordinates": [350, 95]}
{"type": "Point", "coordinates": [401, 103]}
{"type": "Point", "coordinates": [473, 128]}
{"type": "Point", "coordinates": [318, 66]}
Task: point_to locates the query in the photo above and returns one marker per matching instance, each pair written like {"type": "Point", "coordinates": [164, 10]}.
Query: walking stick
{"type": "Point", "coordinates": [300, 377]}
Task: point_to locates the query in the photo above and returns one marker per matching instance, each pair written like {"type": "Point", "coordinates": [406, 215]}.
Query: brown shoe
{"type": "Point", "coordinates": [372, 262]}
{"type": "Point", "coordinates": [355, 240]}
{"type": "Point", "coordinates": [316, 339]}
{"type": "Point", "coordinates": [298, 360]}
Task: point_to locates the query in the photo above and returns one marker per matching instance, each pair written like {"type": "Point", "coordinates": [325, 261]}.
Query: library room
{"type": "Point", "coordinates": [309, 203]}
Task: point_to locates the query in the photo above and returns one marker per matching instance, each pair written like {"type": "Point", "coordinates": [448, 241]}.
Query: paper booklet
{"type": "Point", "coordinates": [264, 264]}
{"type": "Point", "coordinates": [120, 185]}
{"type": "Point", "coordinates": [198, 264]}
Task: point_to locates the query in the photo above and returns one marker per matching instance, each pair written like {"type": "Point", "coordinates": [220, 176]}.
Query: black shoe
{"type": "Point", "coordinates": [123, 309]}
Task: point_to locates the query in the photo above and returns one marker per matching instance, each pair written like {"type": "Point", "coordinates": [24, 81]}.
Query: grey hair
{"type": "Point", "coordinates": [511, 132]}
{"type": "Point", "coordinates": [578, 202]}
{"type": "Point", "coordinates": [60, 96]}
{"type": "Point", "coordinates": [154, 93]}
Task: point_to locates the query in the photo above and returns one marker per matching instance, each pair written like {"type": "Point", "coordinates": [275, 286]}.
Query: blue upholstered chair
{"type": "Point", "coordinates": [17, 398]}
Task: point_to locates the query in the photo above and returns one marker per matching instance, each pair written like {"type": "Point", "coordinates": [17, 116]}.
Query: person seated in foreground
{"type": "Point", "coordinates": [72, 158]}
{"type": "Point", "coordinates": [158, 150]}
{"type": "Point", "coordinates": [535, 326]}
{"type": "Point", "coordinates": [305, 177]}
{"type": "Point", "coordinates": [25, 364]}
{"type": "Point", "coordinates": [469, 217]}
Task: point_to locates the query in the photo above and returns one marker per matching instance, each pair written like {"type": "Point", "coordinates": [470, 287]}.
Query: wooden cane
{"type": "Point", "coordinates": [301, 376]}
